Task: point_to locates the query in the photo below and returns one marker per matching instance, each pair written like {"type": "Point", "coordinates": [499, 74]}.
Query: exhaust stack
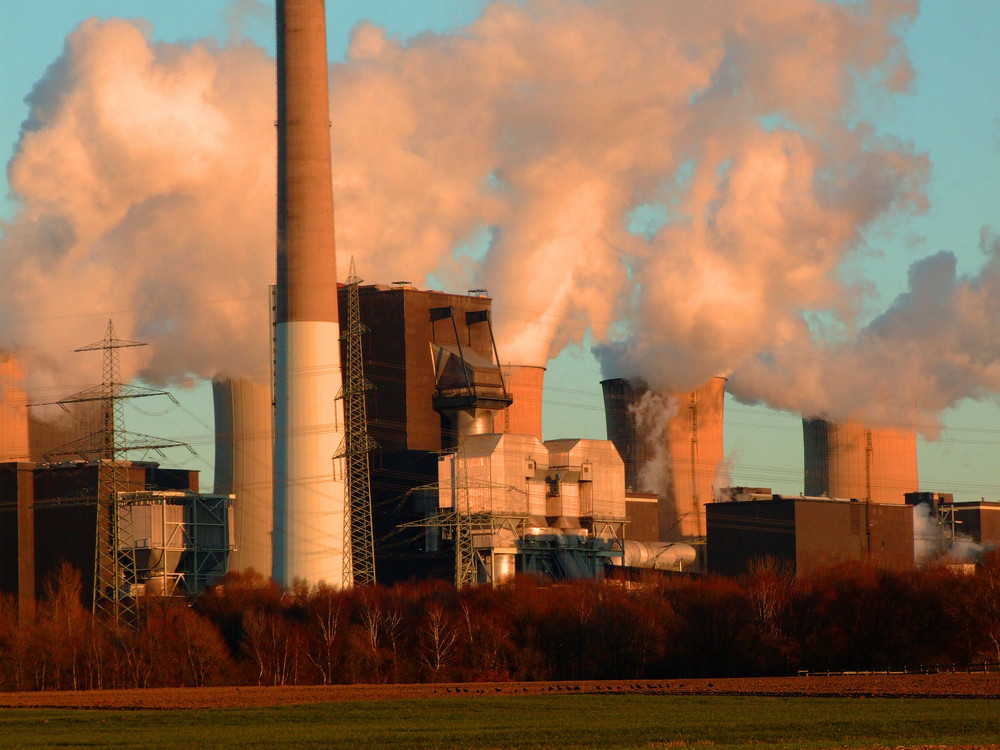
{"type": "Point", "coordinates": [309, 493]}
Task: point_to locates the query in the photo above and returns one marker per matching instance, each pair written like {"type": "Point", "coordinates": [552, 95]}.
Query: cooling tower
{"type": "Point", "coordinates": [619, 396]}
{"type": "Point", "coordinates": [243, 446]}
{"type": "Point", "coordinates": [309, 490]}
{"type": "Point", "coordinates": [13, 412]}
{"type": "Point", "coordinates": [671, 445]}
{"type": "Point", "coordinates": [851, 460]}
{"type": "Point", "coordinates": [524, 416]}
{"type": "Point", "coordinates": [32, 434]}
{"type": "Point", "coordinates": [52, 430]}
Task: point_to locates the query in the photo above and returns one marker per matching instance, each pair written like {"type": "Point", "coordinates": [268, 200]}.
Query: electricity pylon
{"type": "Point", "coordinates": [114, 549]}
{"type": "Point", "coordinates": [359, 543]}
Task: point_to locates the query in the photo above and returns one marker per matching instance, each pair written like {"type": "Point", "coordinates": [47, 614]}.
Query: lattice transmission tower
{"type": "Point", "coordinates": [359, 542]}
{"type": "Point", "coordinates": [114, 550]}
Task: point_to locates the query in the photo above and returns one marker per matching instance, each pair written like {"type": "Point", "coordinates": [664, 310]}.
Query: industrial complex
{"type": "Point", "coordinates": [393, 439]}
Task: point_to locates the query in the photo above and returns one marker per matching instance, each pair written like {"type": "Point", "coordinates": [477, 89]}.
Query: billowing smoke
{"type": "Point", "coordinates": [145, 175]}
{"type": "Point", "coordinates": [933, 542]}
{"type": "Point", "coordinates": [652, 413]}
{"type": "Point", "coordinates": [682, 180]}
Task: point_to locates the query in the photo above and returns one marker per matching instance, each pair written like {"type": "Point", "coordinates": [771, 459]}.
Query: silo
{"type": "Point", "coordinates": [851, 460]}
{"type": "Point", "coordinates": [13, 412]}
{"type": "Point", "coordinates": [243, 450]}
{"type": "Point", "coordinates": [671, 445]}
{"type": "Point", "coordinates": [525, 384]}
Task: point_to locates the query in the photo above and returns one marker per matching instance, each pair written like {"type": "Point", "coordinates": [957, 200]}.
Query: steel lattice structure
{"type": "Point", "coordinates": [465, 551]}
{"type": "Point", "coordinates": [359, 555]}
{"type": "Point", "coordinates": [114, 550]}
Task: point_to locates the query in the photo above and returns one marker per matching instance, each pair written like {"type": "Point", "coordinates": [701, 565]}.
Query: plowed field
{"type": "Point", "coordinates": [942, 685]}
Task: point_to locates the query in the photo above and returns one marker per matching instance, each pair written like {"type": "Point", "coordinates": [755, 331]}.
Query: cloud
{"type": "Point", "coordinates": [145, 178]}
{"type": "Point", "coordinates": [683, 182]}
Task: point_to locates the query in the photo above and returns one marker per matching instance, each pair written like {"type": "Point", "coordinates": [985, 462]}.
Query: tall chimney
{"type": "Point", "coordinates": [309, 491]}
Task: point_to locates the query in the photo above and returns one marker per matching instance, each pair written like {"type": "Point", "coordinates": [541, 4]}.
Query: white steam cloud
{"type": "Point", "coordinates": [682, 180]}
{"type": "Point", "coordinates": [933, 542]}
{"type": "Point", "coordinates": [652, 414]}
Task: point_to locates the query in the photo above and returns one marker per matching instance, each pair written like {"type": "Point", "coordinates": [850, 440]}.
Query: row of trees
{"type": "Point", "coordinates": [247, 631]}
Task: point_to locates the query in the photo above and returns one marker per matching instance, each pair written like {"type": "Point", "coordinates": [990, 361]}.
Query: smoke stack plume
{"type": "Point", "coordinates": [684, 188]}
{"type": "Point", "coordinates": [309, 500]}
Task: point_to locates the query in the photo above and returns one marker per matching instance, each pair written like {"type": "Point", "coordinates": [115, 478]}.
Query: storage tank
{"type": "Point", "coordinates": [243, 451]}
{"type": "Point", "coordinates": [672, 444]}
{"type": "Point", "coordinates": [525, 384]}
{"type": "Point", "coordinates": [852, 460]}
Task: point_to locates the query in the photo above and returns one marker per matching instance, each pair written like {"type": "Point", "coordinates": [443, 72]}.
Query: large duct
{"type": "Point", "coordinates": [525, 384]}
{"type": "Point", "coordinates": [850, 460]}
{"type": "Point", "coordinates": [309, 490]}
{"type": "Point", "coordinates": [243, 467]}
{"type": "Point", "coordinates": [671, 445]}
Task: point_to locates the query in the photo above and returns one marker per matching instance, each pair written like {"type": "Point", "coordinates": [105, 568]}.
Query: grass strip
{"type": "Point", "coordinates": [585, 721]}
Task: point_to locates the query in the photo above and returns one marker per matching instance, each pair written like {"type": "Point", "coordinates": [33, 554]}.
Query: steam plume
{"type": "Point", "coordinates": [684, 182]}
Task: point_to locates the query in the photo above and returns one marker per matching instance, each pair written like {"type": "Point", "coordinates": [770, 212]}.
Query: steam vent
{"type": "Point", "coordinates": [309, 490]}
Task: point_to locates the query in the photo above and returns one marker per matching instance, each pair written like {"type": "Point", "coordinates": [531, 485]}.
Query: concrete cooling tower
{"type": "Point", "coordinates": [243, 445]}
{"type": "Point", "coordinates": [13, 412]}
{"type": "Point", "coordinates": [671, 445]}
{"type": "Point", "coordinates": [850, 460]}
{"type": "Point", "coordinates": [525, 385]}
{"type": "Point", "coordinates": [31, 434]}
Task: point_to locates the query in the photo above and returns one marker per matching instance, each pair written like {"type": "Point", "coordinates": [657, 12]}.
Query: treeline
{"type": "Point", "coordinates": [247, 631]}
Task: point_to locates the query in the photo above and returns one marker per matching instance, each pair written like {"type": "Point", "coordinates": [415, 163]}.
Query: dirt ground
{"type": "Point", "coordinates": [942, 685]}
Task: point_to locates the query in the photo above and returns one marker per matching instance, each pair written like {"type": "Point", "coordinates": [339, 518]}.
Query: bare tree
{"type": "Point", "coordinates": [438, 639]}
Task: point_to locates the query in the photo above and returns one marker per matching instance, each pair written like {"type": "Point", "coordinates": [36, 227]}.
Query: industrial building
{"type": "Point", "coordinates": [806, 533]}
{"type": "Point", "coordinates": [179, 538]}
{"type": "Point", "coordinates": [854, 460]}
{"type": "Point", "coordinates": [978, 520]}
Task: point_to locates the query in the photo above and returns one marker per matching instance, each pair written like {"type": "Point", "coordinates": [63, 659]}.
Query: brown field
{"type": "Point", "coordinates": [942, 685]}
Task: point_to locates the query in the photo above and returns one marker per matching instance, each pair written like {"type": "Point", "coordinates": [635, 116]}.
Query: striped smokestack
{"type": "Point", "coordinates": [309, 495]}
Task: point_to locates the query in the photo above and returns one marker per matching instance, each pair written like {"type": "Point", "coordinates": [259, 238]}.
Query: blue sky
{"type": "Point", "coordinates": [952, 114]}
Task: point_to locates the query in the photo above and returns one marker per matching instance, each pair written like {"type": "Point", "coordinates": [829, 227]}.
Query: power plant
{"type": "Point", "coordinates": [460, 480]}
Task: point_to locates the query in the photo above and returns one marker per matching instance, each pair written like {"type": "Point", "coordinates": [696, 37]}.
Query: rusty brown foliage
{"type": "Point", "coordinates": [247, 631]}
